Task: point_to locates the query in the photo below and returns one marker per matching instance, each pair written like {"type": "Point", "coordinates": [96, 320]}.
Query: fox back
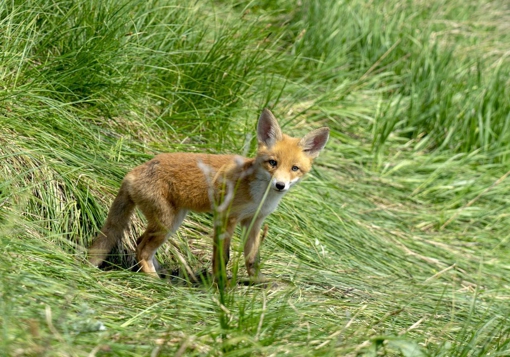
{"type": "Point", "coordinates": [245, 189]}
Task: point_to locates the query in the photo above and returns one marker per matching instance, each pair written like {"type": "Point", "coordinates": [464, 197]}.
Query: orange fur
{"type": "Point", "coordinates": [245, 190]}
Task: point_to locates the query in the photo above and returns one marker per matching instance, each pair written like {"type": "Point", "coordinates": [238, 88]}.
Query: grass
{"type": "Point", "coordinates": [396, 244]}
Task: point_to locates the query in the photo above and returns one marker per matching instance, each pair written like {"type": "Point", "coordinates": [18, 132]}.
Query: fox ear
{"type": "Point", "coordinates": [314, 141]}
{"type": "Point", "coordinates": [268, 130]}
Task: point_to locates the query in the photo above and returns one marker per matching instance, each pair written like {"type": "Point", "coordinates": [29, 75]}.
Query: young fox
{"type": "Point", "coordinates": [168, 186]}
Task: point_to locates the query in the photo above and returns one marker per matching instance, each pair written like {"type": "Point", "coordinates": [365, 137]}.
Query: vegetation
{"type": "Point", "coordinates": [397, 244]}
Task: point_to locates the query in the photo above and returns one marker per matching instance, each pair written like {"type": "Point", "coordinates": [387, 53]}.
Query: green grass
{"type": "Point", "coordinates": [396, 244]}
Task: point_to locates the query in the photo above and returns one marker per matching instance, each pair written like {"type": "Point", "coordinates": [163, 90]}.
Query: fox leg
{"type": "Point", "coordinates": [162, 223]}
{"type": "Point", "coordinates": [252, 246]}
{"type": "Point", "coordinates": [221, 245]}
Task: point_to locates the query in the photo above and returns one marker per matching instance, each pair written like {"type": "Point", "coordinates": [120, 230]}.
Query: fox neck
{"type": "Point", "coordinates": [258, 186]}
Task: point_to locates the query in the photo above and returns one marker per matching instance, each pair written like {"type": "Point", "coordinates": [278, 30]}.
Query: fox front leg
{"type": "Point", "coordinates": [252, 249]}
{"type": "Point", "coordinates": [221, 247]}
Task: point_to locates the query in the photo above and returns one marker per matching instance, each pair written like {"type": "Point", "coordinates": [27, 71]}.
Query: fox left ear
{"type": "Point", "coordinates": [268, 130]}
{"type": "Point", "coordinates": [314, 141]}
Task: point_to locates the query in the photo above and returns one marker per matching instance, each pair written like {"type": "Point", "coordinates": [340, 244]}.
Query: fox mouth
{"type": "Point", "coordinates": [279, 190]}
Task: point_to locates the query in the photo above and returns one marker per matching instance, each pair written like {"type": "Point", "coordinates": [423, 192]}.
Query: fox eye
{"type": "Point", "coordinates": [273, 163]}
{"type": "Point", "coordinates": [295, 168]}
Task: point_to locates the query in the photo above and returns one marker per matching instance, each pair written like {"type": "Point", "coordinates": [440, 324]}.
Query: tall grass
{"type": "Point", "coordinates": [396, 243]}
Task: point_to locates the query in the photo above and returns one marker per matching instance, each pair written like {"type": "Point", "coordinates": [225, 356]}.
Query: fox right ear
{"type": "Point", "coordinates": [268, 130]}
{"type": "Point", "coordinates": [314, 141]}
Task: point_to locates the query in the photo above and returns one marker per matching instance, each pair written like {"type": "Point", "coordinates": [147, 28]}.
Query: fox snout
{"type": "Point", "coordinates": [282, 185]}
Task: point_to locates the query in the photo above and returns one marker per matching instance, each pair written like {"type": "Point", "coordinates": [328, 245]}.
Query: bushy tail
{"type": "Point", "coordinates": [113, 230]}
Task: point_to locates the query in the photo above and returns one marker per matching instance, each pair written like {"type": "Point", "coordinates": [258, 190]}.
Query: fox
{"type": "Point", "coordinates": [170, 185]}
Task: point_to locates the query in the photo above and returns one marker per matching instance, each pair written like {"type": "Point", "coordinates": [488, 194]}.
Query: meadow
{"type": "Point", "coordinates": [396, 244]}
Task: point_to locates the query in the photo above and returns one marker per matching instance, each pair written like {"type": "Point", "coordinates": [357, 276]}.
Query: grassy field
{"type": "Point", "coordinates": [397, 243]}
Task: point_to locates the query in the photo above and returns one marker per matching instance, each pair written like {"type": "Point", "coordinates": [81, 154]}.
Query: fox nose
{"type": "Point", "coordinates": [279, 186]}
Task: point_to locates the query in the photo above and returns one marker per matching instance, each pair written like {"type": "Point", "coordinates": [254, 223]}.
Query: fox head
{"type": "Point", "coordinates": [281, 159]}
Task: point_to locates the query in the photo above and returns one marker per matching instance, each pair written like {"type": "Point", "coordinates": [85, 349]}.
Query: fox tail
{"type": "Point", "coordinates": [113, 230]}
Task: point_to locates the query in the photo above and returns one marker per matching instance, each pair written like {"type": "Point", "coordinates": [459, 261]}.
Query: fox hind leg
{"type": "Point", "coordinates": [162, 222]}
